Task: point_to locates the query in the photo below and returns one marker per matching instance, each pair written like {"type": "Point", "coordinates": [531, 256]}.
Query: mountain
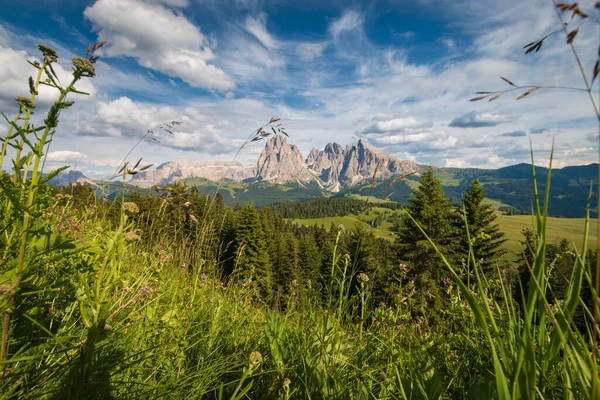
{"type": "Point", "coordinates": [212, 170]}
{"type": "Point", "coordinates": [338, 167]}
{"type": "Point", "coordinates": [67, 177]}
{"type": "Point", "coordinates": [334, 167]}
{"type": "Point", "coordinates": [281, 162]}
{"type": "Point", "coordinates": [510, 186]}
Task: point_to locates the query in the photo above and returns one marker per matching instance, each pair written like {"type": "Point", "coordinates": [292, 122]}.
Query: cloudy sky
{"type": "Point", "coordinates": [396, 73]}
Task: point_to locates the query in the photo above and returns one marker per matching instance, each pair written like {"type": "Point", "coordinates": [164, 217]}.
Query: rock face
{"type": "Point", "coordinates": [333, 168]}
{"type": "Point", "coordinates": [337, 167]}
{"type": "Point", "coordinates": [281, 162]}
{"type": "Point", "coordinates": [211, 170]}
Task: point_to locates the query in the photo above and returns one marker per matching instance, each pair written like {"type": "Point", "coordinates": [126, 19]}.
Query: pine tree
{"type": "Point", "coordinates": [434, 213]}
{"type": "Point", "coordinates": [251, 249]}
{"type": "Point", "coordinates": [486, 237]}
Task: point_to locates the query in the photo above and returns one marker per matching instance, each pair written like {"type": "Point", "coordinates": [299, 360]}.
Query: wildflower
{"type": "Point", "coordinates": [131, 207]}
{"type": "Point", "coordinates": [446, 281]}
{"type": "Point", "coordinates": [363, 277]}
{"type": "Point", "coordinates": [25, 103]}
{"type": "Point", "coordinates": [453, 357]}
{"type": "Point", "coordinates": [145, 290]}
{"type": "Point", "coordinates": [286, 383]}
{"type": "Point", "coordinates": [255, 358]}
{"type": "Point", "coordinates": [294, 283]}
{"type": "Point", "coordinates": [340, 227]}
{"type": "Point", "coordinates": [83, 67]}
{"type": "Point", "coordinates": [48, 52]}
{"type": "Point", "coordinates": [203, 277]}
{"type": "Point", "coordinates": [403, 268]}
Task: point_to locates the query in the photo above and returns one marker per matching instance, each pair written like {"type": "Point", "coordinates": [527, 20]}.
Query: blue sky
{"type": "Point", "coordinates": [395, 73]}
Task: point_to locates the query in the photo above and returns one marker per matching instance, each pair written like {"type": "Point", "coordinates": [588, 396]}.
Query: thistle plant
{"type": "Point", "coordinates": [22, 196]}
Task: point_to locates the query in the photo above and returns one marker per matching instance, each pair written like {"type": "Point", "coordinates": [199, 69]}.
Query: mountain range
{"type": "Point", "coordinates": [282, 174]}
{"type": "Point", "coordinates": [334, 168]}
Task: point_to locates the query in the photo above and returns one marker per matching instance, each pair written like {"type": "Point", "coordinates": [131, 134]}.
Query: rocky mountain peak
{"type": "Point", "coordinates": [281, 162]}
{"type": "Point", "coordinates": [334, 167]}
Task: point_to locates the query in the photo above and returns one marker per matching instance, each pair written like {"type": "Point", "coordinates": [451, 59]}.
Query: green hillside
{"type": "Point", "coordinates": [558, 228]}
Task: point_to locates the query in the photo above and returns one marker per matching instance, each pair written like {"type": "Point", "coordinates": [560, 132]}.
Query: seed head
{"type": "Point", "coordinates": [363, 277]}
{"type": "Point", "coordinates": [255, 358]}
{"type": "Point", "coordinates": [131, 207]}
{"type": "Point", "coordinates": [48, 52]}
{"type": "Point", "coordinates": [25, 103]}
{"type": "Point", "coordinates": [286, 383]}
{"type": "Point", "coordinates": [131, 236]}
{"type": "Point", "coordinates": [83, 67]}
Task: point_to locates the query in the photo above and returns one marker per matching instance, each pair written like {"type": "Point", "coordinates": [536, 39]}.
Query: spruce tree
{"type": "Point", "coordinates": [485, 234]}
{"type": "Point", "coordinates": [434, 213]}
{"type": "Point", "coordinates": [253, 261]}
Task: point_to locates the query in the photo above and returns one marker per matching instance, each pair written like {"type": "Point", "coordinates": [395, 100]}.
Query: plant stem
{"type": "Point", "coordinates": [26, 218]}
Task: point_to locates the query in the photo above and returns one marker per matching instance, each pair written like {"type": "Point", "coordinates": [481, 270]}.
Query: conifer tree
{"type": "Point", "coordinates": [285, 266]}
{"type": "Point", "coordinates": [309, 259]}
{"type": "Point", "coordinates": [251, 249]}
{"type": "Point", "coordinates": [485, 234]}
{"type": "Point", "coordinates": [434, 213]}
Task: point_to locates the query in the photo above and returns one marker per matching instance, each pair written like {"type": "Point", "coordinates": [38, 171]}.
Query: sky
{"type": "Point", "coordinates": [395, 73]}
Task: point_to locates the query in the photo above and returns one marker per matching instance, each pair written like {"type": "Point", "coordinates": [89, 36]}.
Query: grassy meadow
{"type": "Point", "coordinates": [512, 226]}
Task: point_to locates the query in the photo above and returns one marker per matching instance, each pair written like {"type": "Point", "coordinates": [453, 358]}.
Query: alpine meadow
{"type": "Point", "coordinates": [240, 199]}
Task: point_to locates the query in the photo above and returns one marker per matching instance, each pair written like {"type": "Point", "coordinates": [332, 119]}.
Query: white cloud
{"type": "Point", "coordinates": [400, 134]}
{"type": "Point", "coordinates": [477, 120]}
{"type": "Point", "coordinates": [449, 43]}
{"type": "Point", "coordinates": [65, 156]}
{"type": "Point", "coordinates": [199, 132]}
{"type": "Point", "coordinates": [257, 26]}
{"type": "Point", "coordinates": [310, 50]}
{"type": "Point", "coordinates": [384, 124]}
{"type": "Point", "coordinates": [349, 21]}
{"type": "Point", "coordinates": [159, 38]}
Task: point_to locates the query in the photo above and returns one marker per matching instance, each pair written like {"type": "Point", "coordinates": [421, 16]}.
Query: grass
{"type": "Point", "coordinates": [571, 229]}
